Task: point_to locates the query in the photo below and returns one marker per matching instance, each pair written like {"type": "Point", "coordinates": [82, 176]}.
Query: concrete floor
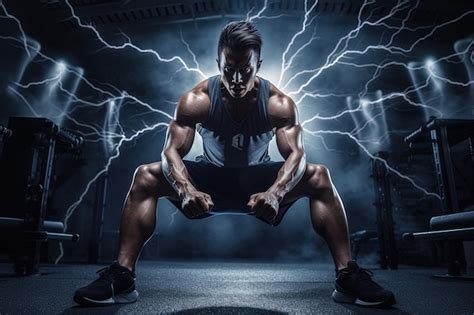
{"type": "Point", "coordinates": [233, 288]}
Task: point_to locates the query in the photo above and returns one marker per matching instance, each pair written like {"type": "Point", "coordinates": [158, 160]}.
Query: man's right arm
{"type": "Point", "coordinates": [179, 140]}
{"type": "Point", "coordinates": [193, 108]}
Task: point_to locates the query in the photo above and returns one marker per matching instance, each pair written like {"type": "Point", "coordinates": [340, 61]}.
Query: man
{"type": "Point", "coordinates": [237, 113]}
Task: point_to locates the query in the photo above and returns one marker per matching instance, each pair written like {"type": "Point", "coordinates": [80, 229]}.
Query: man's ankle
{"type": "Point", "coordinates": [125, 265]}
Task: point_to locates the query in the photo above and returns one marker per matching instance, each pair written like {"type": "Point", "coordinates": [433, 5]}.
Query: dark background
{"type": "Point", "coordinates": [109, 94]}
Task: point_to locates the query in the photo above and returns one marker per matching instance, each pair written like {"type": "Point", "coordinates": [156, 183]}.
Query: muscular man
{"type": "Point", "coordinates": [237, 113]}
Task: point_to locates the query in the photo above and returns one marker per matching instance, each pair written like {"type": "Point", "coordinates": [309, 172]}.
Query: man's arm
{"type": "Point", "coordinates": [192, 108]}
{"type": "Point", "coordinates": [289, 139]}
{"type": "Point", "coordinates": [179, 140]}
{"type": "Point", "coordinates": [289, 136]}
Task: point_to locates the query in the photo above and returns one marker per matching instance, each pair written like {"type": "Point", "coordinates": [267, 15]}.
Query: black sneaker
{"type": "Point", "coordinates": [116, 284]}
{"type": "Point", "coordinates": [355, 285]}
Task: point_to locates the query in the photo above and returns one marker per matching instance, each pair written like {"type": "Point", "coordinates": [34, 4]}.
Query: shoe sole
{"type": "Point", "coordinates": [123, 298]}
{"type": "Point", "coordinates": [347, 298]}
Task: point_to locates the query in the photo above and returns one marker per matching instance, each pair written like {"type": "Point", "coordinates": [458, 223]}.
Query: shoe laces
{"type": "Point", "coordinates": [106, 273]}
{"type": "Point", "coordinates": [364, 277]}
{"type": "Point", "coordinates": [366, 272]}
{"type": "Point", "coordinates": [361, 274]}
{"type": "Point", "coordinates": [353, 267]}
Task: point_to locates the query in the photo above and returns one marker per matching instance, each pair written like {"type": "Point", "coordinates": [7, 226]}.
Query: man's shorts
{"type": "Point", "coordinates": [231, 187]}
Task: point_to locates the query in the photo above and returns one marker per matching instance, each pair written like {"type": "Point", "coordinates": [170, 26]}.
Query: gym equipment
{"type": "Point", "coordinates": [359, 237]}
{"type": "Point", "coordinates": [26, 168]}
{"type": "Point", "coordinates": [455, 225]}
{"type": "Point", "coordinates": [384, 213]}
{"type": "Point", "coordinates": [384, 218]}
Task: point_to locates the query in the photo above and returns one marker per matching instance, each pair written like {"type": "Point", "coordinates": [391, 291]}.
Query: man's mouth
{"type": "Point", "coordinates": [237, 90]}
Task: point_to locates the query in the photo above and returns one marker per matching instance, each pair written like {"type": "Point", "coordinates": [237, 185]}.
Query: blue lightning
{"type": "Point", "coordinates": [284, 64]}
{"type": "Point", "coordinates": [20, 27]}
{"type": "Point", "coordinates": [351, 136]}
{"type": "Point", "coordinates": [129, 44]}
{"type": "Point", "coordinates": [73, 207]}
{"type": "Point", "coordinates": [259, 13]}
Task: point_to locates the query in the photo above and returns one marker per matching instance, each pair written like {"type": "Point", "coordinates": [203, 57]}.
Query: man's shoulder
{"type": "Point", "coordinates": [195, 103]}
{"type": "Point", "coordinates": [198, 93]}
{"type": "Point", "coordinates": [280, 105]}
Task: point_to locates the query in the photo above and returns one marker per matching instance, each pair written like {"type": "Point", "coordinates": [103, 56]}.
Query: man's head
{"type": "Point", "coordinates": [238, 57]}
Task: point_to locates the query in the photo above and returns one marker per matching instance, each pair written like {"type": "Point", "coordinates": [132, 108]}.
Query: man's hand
{"type": "Point", "coordinates": [196, 203]}
{"type": "Point", "coordinates": [264, 206]}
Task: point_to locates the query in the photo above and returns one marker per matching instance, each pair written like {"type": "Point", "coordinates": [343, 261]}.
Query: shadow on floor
{"type": "Point", "coordinates": [226, 310]}
{"type": "Point", "coordinates": [99, 310]}
{"type": "Point", "coordinates": [362, 310]}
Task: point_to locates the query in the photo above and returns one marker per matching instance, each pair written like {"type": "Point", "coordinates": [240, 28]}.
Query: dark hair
{"type": "Point", "coordinates": [240, 35]}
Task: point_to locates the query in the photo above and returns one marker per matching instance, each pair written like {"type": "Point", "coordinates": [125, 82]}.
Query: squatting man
{"type": "Point", "coordinates": [237, 113]}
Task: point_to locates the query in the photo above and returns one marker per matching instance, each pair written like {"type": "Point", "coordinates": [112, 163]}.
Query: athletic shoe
{"type": "Point", "coordinates": [116, 284]}
{"type": "Point", "coordinates": [355, 285]}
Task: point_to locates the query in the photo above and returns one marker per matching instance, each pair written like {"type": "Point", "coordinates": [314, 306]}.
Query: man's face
{"type": "Point", "coordinates": [239, 70]}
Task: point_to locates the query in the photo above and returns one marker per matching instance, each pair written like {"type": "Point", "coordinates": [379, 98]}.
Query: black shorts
{"type": "Point", "coordinates": [231, 187]}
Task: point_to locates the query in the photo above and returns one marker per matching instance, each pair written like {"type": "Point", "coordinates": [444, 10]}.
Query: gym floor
{"type": "Point", "coordinates": [233, 288]}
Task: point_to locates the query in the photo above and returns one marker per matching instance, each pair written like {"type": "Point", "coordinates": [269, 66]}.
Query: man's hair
{"type": "Point", "coordinates": [240, 35]}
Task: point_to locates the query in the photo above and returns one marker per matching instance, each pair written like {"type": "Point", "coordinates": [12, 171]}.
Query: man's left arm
{"type": "Point", "coordinates": [289, 137]}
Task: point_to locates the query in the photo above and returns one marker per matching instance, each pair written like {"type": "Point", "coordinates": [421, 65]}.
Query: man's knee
{"type": "Point", "coordinates": [318, 177]}
{"type": "Point", "coordinates": [146, 179]}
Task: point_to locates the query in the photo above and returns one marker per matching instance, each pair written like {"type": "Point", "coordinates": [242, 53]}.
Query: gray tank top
{"type": "Point", "coordinates": [234, 144]}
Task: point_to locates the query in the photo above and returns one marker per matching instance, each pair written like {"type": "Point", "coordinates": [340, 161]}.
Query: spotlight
{"type": "Point", "coordinates": [429, 65]}
{"type": "Point", "coordinates": [61, 67]}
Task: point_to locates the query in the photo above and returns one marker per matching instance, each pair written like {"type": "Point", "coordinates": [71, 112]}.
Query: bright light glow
{"type": "Point", "coordinates": [61, 67]}
{"type": "Point", "coordinates": [429, 65]}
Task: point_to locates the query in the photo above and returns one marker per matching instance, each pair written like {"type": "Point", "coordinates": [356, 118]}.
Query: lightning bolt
{"type": "Point", "coordinates": [335, 58]}
{"type": "Point", "coordinates": [396, 172]}
{"type": "Point", "coordinates": [20, 27]}
{"type": "Point", "coordinates": [129, 44]}
{"type": "Point", "coordinates": [97, 131]}
{"type": "Point", "coordinates": [259, 13]}
{"type": "Point", "coordinates": [284, 64]}
{"type": "Point", "coordinates": [74, 206]}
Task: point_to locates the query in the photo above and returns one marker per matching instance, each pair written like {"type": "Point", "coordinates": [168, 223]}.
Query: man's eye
{"type": "Point", "coordinates": [227, 69]}
{"type": "Point", "coordinates": [247, 70]}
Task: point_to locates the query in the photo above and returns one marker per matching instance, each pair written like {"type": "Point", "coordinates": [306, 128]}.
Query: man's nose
{"type": "Point", "coordinates": [237, 77]}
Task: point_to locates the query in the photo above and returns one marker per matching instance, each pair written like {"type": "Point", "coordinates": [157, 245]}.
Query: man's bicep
{"type": "Point", "coordinates": [182, 128]}
{"type": "Point", "coordinates": [180, 137]}
{"type": "Point", "coordinates": [284, 118]}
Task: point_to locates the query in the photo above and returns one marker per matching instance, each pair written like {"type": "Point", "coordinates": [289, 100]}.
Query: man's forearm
{"type": "Point", "coordinates": [290, 174]}
{"type": "Point", "coordinates": [175, 172]}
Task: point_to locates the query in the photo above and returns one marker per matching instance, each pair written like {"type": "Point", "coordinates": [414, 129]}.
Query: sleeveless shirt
{"type": "Point", "coordinates": [228, 143]}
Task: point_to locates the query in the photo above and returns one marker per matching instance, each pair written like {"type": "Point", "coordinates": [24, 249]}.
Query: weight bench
{"type": "Point", "coordinates": [51, 230]}
{"type": "Point", "coordinates": [456, 226]}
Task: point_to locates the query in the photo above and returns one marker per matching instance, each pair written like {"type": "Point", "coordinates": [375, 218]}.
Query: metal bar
{"type": "Point", "coordinates": [379, 204]}
{"type": "Point", "coordinates": [382, 186]}
{"type": "Point", "coordinates": [453, 205]}
{"type": "Point", "coordinates": [62, 237]}
{"type": "Point", "coordinates": [43, 236]}
{"type": "Point", "coordinates": [453, 234]}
